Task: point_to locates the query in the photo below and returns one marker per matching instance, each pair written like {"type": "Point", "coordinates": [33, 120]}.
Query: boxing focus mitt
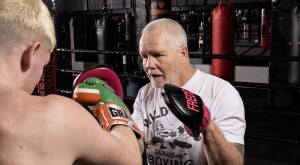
{"type": "Point", "coordinates": [104, 104]}
{"type": "Point", "coordinates": [188, 108]}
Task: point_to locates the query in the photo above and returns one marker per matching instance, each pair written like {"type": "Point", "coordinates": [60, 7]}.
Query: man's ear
{"type": "Point", "coordinates": [184, 52]}
{"type": "Point", "coordinates": [28, 54]}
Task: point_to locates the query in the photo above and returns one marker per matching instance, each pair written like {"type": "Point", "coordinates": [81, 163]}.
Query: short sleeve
{"type": "Point", "coordinates": [137, 114]}
{"type": "Point", "coordinates": [230, 116]}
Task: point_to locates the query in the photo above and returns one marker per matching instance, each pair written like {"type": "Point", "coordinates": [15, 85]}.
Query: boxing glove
{"type": "Point", "coordinates": [99, 99]}
{"type": "Point", "coordinates": [107, 94]}
{"type": "Point", "coordinates": [188, 108]}
{"type": "Point", "coordinates": [111, 114]}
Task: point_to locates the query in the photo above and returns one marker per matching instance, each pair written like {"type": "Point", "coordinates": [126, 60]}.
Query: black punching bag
{"type": "Point", "coordinates": [294, 67]}
{"type": "Point", "coordinates": [280, 47]}
{"type": "Point", "coordinates": [128, 60]}
{"type": "Point", "coordinates": [160, 9]}
{"type": "Point", "coordinates": [119, 40]}
{"type": "Point", "coordinates": [192, 30]}
{"type": "Point", "coordinates": [104, 31]}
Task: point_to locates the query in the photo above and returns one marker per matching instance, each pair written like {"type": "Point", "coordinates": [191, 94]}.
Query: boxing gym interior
{"type": "Point", "coordinates": [263, 66]}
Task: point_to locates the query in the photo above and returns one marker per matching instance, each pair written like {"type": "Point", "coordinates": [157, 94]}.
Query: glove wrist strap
{"type": "Point", "coordinates": [206, 118]}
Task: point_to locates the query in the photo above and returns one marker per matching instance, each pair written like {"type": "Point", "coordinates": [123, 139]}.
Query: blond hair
{"type": "Point", "coordinates": [173, 28]}
{"type": "Point", "coordinates": [20, 19]}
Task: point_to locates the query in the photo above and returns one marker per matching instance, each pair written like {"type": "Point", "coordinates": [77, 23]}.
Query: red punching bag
{"type": "Point", "coordinates": [223, 32]}
{"type": "Point", "coordinates": [265, 29]}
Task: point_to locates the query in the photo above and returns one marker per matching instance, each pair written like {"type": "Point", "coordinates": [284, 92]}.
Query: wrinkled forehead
{"type": "Point", "coordinates": [153, 38]}
{"type": "Point", "coordinates": [153, 46]}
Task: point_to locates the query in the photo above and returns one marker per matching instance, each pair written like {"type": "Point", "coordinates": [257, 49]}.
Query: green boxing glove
{"type": "Point", "coordinates": [107, 94]}
{"type": "Point", "coordinates": [104, 104]}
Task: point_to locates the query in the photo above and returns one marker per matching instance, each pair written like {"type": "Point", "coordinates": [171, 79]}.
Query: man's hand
{"type": "Point", "coordinates": [188, 108]}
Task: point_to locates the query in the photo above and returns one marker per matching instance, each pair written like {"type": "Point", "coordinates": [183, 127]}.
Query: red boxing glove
{"type": "Point", "coordinates": [188, 108]}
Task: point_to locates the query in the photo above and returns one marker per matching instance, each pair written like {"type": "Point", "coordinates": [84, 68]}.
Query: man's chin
{"type": "Point", "coordinates": [157, 85]}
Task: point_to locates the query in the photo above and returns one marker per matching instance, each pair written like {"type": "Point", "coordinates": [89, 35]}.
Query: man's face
{"type": "Point", "coordinates": [161, 60]}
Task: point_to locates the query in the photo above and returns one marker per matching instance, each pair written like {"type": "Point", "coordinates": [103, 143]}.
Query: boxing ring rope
{"type": "Point", "coordinates": [95, 51]}
{"type": "Point", "coordinates": [265, 85]}
{"type": "Point", "coordinates": [266, 138]}
{"type": "Point", "coordinates": [191, 54]}
{"type": "Point", "coordinates": [268, 112]}
{"type": "Point", "coordinates": [234, 83]}
{"type": "Point", "coordinates": [245, 57]}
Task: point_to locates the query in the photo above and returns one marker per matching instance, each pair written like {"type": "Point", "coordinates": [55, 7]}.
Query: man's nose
{"type": "Point", "coordinates": [149, 63]}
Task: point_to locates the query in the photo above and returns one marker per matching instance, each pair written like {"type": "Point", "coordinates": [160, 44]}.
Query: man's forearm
{"type": "Point", "coordinates": [218, 150]}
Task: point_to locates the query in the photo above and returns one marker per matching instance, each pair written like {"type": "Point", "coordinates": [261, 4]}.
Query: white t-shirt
{"type": "Point", "coordinates": [167, 143]}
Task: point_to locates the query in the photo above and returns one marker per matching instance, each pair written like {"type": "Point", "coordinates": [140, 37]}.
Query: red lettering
{"type": "Point", "coordinates": [192, 105]}
{"type": "Point", "coordinates": [191, 100]}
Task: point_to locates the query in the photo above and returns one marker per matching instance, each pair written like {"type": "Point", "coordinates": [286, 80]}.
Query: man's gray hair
{"type": "Point", "coordinates": [174, 29]}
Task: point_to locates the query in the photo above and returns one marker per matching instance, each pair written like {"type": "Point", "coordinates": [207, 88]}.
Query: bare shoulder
{"type": "Point", "coordinates": [57, 100]}
{"type": "Point", "coordinates": [70, 120]}
{"type": "Point", "coordinates": [65, 108]}
{"type": "Point", "coordinates": [60, 103]}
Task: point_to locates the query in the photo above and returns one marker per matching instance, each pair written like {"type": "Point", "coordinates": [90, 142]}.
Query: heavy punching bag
{"type": "Point", "coordinates": [120, 42]}
{"type": "Point", "coordinates": [160, 9]}
{"type": "Point", "coordinates": [294, 67]}
{"type": "Point", "coordinates": [192, 30]}
{"type": "Point", "coordinates": [223, 32]}
{"type": "Point", "coordinates": [104, 33]}
{"type": "Point", "coordinates": [280, 47]}
{"type": "Point", "coordinates": [265, 29]}
{"type": "Point", "coordinates": [128, 60]}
